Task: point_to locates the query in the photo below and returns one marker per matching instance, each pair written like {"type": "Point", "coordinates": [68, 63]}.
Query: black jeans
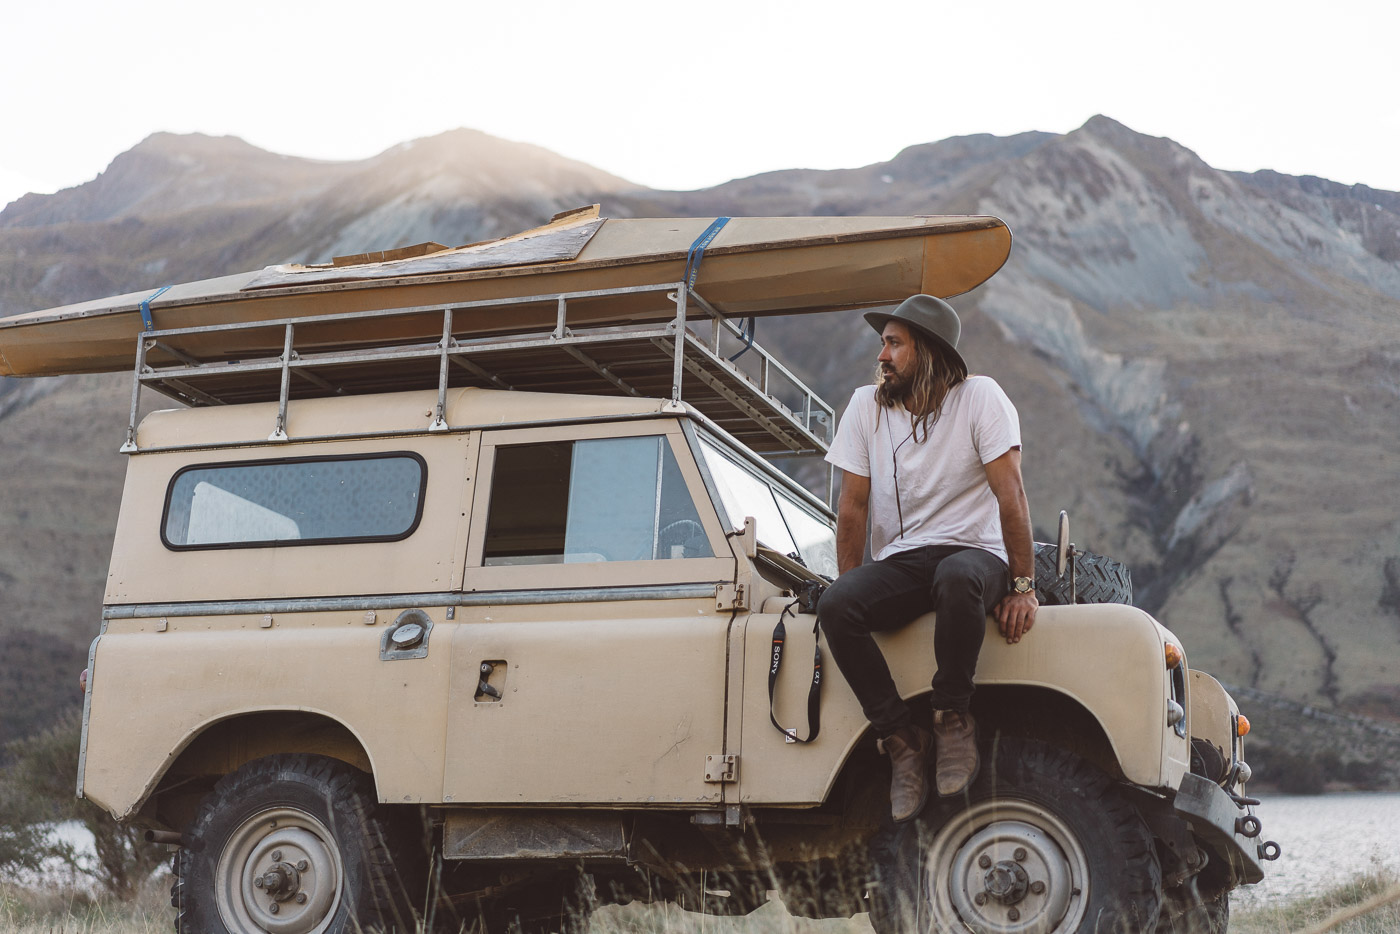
{"type": "Point", "coordinates": [961, 585]}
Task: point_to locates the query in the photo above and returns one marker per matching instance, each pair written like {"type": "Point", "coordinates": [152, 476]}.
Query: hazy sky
{"type": "Point", "coordinates": [690, 95]}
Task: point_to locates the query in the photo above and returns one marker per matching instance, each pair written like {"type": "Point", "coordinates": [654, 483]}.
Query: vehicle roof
{"type": "Point", "coordinates": [382, 413]}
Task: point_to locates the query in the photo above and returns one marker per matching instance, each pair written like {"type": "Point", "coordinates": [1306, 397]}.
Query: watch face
{"type": "Point", "coordinates": [1023, 585]}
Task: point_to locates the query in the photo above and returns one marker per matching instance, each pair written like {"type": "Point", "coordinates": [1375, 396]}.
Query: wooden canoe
{"type": "Point", "coordinates": [754, 266]}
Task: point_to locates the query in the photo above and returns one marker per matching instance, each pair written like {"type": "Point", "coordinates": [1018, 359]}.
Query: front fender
{"type": "Point", "coordinates": [1106, 658]}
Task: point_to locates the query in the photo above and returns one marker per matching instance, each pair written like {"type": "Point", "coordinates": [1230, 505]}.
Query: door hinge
{"type": "Point", "coordinates": [731, 597]}
{"type": "Point", "coordinates": [721, 770]}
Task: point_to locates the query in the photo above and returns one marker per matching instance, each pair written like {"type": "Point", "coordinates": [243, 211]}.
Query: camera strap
{"type": "Point", "coordinates": [814, 694]}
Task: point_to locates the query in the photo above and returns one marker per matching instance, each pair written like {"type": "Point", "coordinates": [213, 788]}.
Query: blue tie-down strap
{"type": "Point", "coordinates": [697, 251]}
{"type": "Point", "coordinates": [146, 307]}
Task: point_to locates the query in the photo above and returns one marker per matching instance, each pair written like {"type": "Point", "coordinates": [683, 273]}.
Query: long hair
{"type": "Point", "coordinates": [935, 374]}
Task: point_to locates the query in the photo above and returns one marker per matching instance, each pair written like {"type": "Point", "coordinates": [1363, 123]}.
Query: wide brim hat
{"type": "Point", "coordinates": [927, 314]}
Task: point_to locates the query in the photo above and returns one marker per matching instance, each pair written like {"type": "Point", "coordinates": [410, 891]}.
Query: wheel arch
{"type": "Point", "coordinates": [1035, 711]}
{"type": "Point", "coordinates": [221, 746]}
{"type": "Point", "coordinates": [1022, 710]}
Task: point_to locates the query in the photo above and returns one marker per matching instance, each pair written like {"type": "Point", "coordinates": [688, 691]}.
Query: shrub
{"type": "Point", "coordinates": [37, 790]}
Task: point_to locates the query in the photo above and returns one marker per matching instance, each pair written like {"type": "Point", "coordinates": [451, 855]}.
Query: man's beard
{"type": "Point", "coordinates": [892, 382]}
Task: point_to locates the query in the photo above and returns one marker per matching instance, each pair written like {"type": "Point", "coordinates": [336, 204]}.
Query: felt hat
{"type": "Point", "coordinates": [930, 316]}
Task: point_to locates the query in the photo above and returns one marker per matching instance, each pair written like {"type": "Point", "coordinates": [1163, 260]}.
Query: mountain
{"type": "Point", "coordinates": [175, 208]}
{"type": "Point", "coordinates": [1207, 363]}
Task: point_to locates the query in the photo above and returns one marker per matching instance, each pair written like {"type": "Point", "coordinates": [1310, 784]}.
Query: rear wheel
{"type": "Point", "coordinates": [1043, 843]}
{"type": "Point", "coordinates": [293, 844]}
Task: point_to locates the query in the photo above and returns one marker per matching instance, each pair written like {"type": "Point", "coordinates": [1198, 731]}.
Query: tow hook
{"type": "Point", "coordinates": [1250, 826]}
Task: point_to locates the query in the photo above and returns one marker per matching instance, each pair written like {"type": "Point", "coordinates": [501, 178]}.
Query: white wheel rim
{"type": "Point", "coordinates": [1006, 867]}
{"type": "Point", "coordinates": [298, 855]}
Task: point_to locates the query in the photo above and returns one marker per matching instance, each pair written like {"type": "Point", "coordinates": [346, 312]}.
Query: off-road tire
{"type": "Point", "coordinates": [1075, 834]}
{"type": "Point", "coordinates": [1097, 579]}
{"type": "Point", "coordinates": [319, 817]}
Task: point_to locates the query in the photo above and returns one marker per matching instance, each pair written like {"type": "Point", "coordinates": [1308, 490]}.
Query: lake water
{"type": "Point", "coordinates": [1326, 840]}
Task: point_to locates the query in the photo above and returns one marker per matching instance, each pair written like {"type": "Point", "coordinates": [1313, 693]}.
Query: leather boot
{"type": "Point", "coordinates": [908, 748]}
{"type": "Point", "coordinates": [955, 742]}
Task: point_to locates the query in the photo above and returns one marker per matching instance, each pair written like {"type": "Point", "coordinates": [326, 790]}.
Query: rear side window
{"type": "Point", "coordinates": [302, 501]}
{"type": "Point", "coordinates": [614, 499]}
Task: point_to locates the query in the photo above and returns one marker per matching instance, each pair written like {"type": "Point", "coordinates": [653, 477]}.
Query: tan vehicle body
{"type": "Point", "coordinates": [642, 739]}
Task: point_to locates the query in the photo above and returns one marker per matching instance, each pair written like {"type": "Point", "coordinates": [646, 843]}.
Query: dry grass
{"type": "Point", "coordinates": [668, 919]}
{"type": "Point", "coordinates": [1312, 914]}
{"type": "Point", "coordinates": [74, 910]}
{"type": "Point", "coordinates": [69, 910]}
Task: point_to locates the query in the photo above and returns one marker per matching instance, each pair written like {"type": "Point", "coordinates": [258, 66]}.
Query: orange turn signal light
{"type": "Point", "coordinates": [1174, 655]}
{"type": "Point", "coordinates": [1241, 725]}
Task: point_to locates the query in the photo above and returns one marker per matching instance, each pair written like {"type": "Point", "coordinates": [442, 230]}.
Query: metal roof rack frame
{"type": "Point", "coordinates": [759, 401]}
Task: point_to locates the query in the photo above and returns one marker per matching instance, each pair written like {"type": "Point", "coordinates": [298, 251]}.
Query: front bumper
{"type": "Point", "coordinates": [1216, 820]}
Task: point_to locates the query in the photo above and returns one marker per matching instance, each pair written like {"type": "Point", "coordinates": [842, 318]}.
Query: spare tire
{"type": "Point", "coordinates": [1097, 579]}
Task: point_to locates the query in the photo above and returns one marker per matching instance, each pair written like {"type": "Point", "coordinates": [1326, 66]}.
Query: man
{"type": "Point", "coordinates": [933, 458]}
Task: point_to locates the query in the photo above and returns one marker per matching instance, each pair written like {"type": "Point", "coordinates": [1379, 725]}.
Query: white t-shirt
{"type": "Point", "coordinates": [942, 482]}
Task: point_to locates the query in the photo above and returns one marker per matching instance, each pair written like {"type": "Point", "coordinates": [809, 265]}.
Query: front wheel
{"type": "Point", "coordinates": [1043, 843]}
{"type": "Point", "coordinates": [292, 844]}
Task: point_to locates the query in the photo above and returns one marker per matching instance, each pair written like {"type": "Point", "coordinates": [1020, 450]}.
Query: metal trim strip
{"type": "Point", "coordinates": [410, 601]}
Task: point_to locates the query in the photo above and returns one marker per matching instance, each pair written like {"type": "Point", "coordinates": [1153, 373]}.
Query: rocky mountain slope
{"type": "Point", "coordinates": [1207, 363]}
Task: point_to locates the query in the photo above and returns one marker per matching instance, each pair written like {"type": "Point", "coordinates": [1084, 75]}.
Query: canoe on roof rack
{"type": "Point", "coordinates": [753, 266]}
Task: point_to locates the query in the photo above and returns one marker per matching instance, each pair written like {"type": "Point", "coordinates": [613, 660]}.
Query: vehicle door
{"type": "Point", "coordinates": [590, 665]}
{"type": "Point", "coordinates": [796, 540]}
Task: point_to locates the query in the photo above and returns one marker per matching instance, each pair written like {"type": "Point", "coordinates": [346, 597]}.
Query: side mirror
{"type": "Point", "coordinates": [1063, 546]}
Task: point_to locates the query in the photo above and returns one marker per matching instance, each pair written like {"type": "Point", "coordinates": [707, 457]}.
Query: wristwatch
{"type": "Point", "coordinates": [1022, 584]}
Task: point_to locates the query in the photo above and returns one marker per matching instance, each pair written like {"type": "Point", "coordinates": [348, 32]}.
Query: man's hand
{"type": "Point", "coordinates": [1016, 615]}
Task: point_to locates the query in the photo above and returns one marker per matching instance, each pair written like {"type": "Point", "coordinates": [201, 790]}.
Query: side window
{"type": "Point", "coordinates": [814, 539]}
{"type": "Point", "coordinates": [304, 501]}
{"type": "Point", "coordinates": [783, 524]}
{"type": "Point", "coordinates": [612, 499]}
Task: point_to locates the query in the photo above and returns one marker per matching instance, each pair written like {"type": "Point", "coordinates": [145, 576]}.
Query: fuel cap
{"type": "Point", "coordinates": [407, 635]}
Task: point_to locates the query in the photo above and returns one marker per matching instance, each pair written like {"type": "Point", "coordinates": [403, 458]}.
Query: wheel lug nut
{"type": "Point", "coordinates": [258, 882]}
{"type": "Point", "coordinates": [980, 898]}
{"type": "Point", "coordinates": [301, 898]}
{"type": "Point", "coordinates": [984, 861]}
{"type": "Point", "coordinates": [1020, 854]}
{"type": "Point", "coordinates": [277, 856]}
{"type": "Point", "coordinates": [1037, 887]}
{"type": "Point", "coordinates": [301, 865]}
{"type": "Point", "coordinates": [1013, 914]}
{"type": "Point", "coordinates": [273, 908]}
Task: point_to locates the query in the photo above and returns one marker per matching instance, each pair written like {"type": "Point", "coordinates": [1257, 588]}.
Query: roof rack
{"type": "Point", "coordinates": [748, 393]}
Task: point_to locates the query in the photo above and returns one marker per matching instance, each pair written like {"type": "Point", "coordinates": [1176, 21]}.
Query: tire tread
{"type": "Point", "coordinates": [1097, 579]}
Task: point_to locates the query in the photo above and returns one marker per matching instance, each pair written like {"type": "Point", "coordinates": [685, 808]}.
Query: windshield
{"type": "Point", "coordinates": [783, 524]}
